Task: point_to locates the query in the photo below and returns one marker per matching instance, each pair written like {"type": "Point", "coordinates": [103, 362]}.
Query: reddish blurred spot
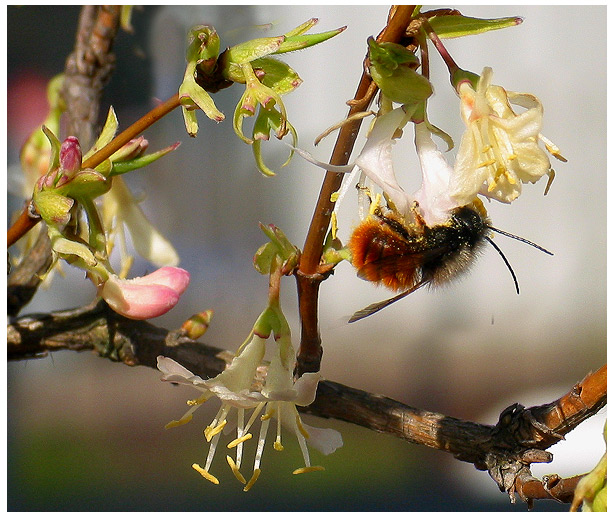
{"type": "Point", "coordinates": [26, 105]}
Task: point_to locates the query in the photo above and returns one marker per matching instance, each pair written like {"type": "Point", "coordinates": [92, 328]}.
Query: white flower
{"type": "Point", "coordinates": [232, 387]}
{"type": "Point", "coordinates": [278, 399]}
{"type": "Point", "coordinates": [375, 161]}
{"type": "Point", "coordinates": [433, 197]}
{"type": "Point", "coordinates": [119, 205]}
{"type": "Point", "coordinates": [283, 395]}
{"type": "Point", "coordinates": [500, 149]}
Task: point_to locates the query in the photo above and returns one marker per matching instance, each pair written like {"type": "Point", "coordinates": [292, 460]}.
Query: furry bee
{"type": "Point", "coordinates": [404, 257]}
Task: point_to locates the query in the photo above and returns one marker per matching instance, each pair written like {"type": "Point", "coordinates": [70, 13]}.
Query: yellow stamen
{"type": "Point", "coordinates": [307, 469]}
{"type": "Point", "coordinates": [510, 178]}
{"type": "Point", "coordinates": [239, 440]}
{"type": "Point", "coordinates": [202, 399]}
{"type": "Point", "coordinates": [235, 469]}
{"type": "Point", "coordinates": [552, 148]}
{"type": "Point", "coordinates": [487, 163]}
{"type": "Point", "coordinates": [513, 156]}
{"type": "Point", "coordinates": [252, 480]}
{"type": "Point", "coordinates": [268, 415]}
{"type": "Point", "coordinates": [206, 474]}
{"type": "Point", "coordinates": [212, 432]}
{"type": "Point", "coordinates": [278, 446]}
{"type": "Point", "coordinates": [334, 196]}
{"type": "Point", "coordinates": [179, 422]}
{"type": "Point", "coordinates": [333, 224]}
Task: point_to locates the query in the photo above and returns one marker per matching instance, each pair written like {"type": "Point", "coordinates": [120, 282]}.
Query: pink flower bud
{"type": "Point", "coordinates": [70, 156]}
{"type": "Point", "coordinates": [146, 297]}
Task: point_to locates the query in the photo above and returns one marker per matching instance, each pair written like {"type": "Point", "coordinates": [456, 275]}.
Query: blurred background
{"type": "Point", "coordinates": [86, 434]}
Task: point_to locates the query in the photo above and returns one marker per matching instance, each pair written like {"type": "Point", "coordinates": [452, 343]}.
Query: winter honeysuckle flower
{"type": "Point", "coordinates": [67, 192]}
{"type": "Point", "coordinates": [375, 162]}
{"type": "Point", "coordinates": [234, 387]}
{"type": "Point", "coordinates": [283, 395]}
{"type": "Point", "coordinates": [145, 297]}
{"type": "Point", "coordinates": [500, 149]}
{"type": "Point", "coordinates": [434, 200]}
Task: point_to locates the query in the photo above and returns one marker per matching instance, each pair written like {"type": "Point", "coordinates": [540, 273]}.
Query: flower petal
{"type": "Point", "coordinates": [325, 440]}
{"type": "Point", "coordinates": [433, 196]}
{"type": "Point", "coordinates": [306, 387]}
{"type": "Point", "coordinates": [177, 373]}
{"type": "Point", "coordinates": [375, 160]}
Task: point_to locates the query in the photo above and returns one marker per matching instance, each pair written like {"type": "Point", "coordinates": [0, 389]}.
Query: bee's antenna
{"type": "Point", "coordinates": [518, 238]}
{"type": "Point", "coordinates": [509, 266]}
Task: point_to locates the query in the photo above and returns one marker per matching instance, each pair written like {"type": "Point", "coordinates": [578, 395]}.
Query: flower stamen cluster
{"type": "Point", "coordinates": [240, 389]}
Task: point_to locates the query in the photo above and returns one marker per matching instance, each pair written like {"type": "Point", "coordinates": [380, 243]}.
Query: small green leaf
{"type": "Point", "coordinates": [190, 120]}
{"type": "Point", "coordinates": [53, 208]}
{"type": "Point", "coordinates": [301, 29]}
{"type": "Point", "coordinates": [139, 162]}
{"type": "Point", "coordinates": [264, 257]}
{"type": "Point", "coordinates": [87, 184]}
{"type": "Point", "coordinates": [456, 26]}
{"type": "Point", "coordinates": [392, 69]}
{"type": "Point", "coordinates": [106, 135]}
{"type": "Point", "coordinates": [191, 93]}
{"type": "Point", "coordinates": [203, 43]}
{"type": "Point", "coordinates": [54, 163]}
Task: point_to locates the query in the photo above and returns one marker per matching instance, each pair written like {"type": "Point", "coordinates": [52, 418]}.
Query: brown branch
{"type": "Point", "coordinates": [24, 280]}
{"type": "Point", "coordinates": [25, 222]}
{"type": "Point", "coordinates": [308, 277]}
{"type": "Point", "coordinates": [506, 450]}
{"type": "Point", "coordinates": [88, 69]}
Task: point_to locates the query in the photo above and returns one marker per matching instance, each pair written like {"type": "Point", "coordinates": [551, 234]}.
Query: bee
{"type": "Point", "coordinates": [405, 257]}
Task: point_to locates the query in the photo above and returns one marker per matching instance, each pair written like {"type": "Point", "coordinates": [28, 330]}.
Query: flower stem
{"type": "Point", "coordinates": [443, 52]}
{"type": "Point", "coordinates": [307, 275]}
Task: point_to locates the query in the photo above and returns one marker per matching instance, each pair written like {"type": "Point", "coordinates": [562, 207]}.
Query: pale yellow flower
{"type": "Point", "coordinates": [500, 149]}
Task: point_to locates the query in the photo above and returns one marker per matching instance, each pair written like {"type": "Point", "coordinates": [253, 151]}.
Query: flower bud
{"type": "Point", "coordinates": [70, 156]}
{"type": "Point", "coordinates": [197, 324]}
{"type": "Point", "coordinates": [146, 297]}
{"type": "Point", "coordinates": [393, 70]}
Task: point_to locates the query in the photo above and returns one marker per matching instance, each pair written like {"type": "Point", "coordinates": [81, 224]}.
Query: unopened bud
{"type": "Point", "coordinates": [197, 325]}
{"type": "Point", "coordinates": [70, 156]}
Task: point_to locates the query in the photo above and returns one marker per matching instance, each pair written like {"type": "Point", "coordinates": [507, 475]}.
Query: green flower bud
{"type": "Point", "coordinates": [53, 208]}
{"type": "Point", "coordinates": [279, 246]}
{"type": "Point", "coordinates": [392, 68]}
